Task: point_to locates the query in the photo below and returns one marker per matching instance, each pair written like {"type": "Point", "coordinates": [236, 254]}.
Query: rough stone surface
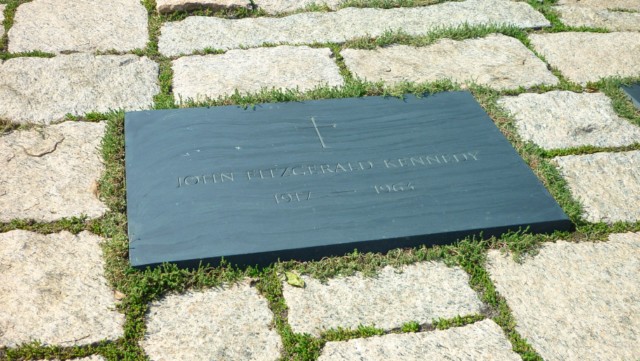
{"type": "Point", "coordinates": [584, 57]}
{"type": "Point", "coordinates": [602, 18]}
{"type": "Point", "coordinates": [482, 340]}
{"type": "Point", "coordinates": [79, 25]}
{"type": "Point", "coordinates": [606, 184]}
{"type": "Point", "coordinates": [563, 119]}
{"type": "Point", "coordinates": [41, 90]}
{"type": "Point", "coordinates": [420, 292]}
{"type": "Point", "coordinates": [604, 4]}
{"type": "Point", "coordinates": [232, 323]}
{"type": "Point", "coordinates": [304, 68]}
{"type": "Point", "coordinates": [497, 61]}
{"type": "Point", "coordinates": [51, 173]}
{"type": "Point", "coordinates": [52, 289]}
{"type": "Point", "coordinates": [282, 6]}
{"type": "Point", "coordinates": [168, 6]}
{"type": "Point", "coordinates": [2, 7]}
{"type": "Point", "coordinates": [576, 301]}
{"type": "Point", "coordinates": [198, 33]}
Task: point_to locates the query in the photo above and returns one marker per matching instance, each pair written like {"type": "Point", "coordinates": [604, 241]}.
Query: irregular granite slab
{"type": "Point", "coordinates": [52, 289]}
{"type": "Point", "coordinates": [603, 4]}
{"type": "Point", "coordinates": [226, 323]}
{"type": "Point", "coordinates": [563, 119]}
{"type": "Point", "coordinates": [482, 340]}
{"type": "Point", "coordinates": [283, 6]}
{"type": "Point", "coordinates": [247, 71]}
{"type": "Point", "coordinates": [2, 7]}
{"type": "Point", "coordinates": [498, 61]}
{"type": "Point", "coordinates": [168, 6]}
{"type": "Point", "coordinates": [585, 57]}
{"type": "Point", "coordinates": [41, 90]}
{"type": "Point", "coordinates": [198, 32]}
{"type": "Point", "coordinates": [601, 18]}
{"type": "Point", "coordinates": [576, 301]}
{"type": "Point", "coordinates": [56, 26]}
{"type": "Point", "coordinates": [420, 292]}
{"type": "Point", "coordinates": [51, 173]}
{"type": "Point", "coordinates": [606, 184]}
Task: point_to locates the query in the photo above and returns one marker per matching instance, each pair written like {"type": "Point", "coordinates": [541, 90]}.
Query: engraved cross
{"type": "Point", "coordinates": [317, 129]}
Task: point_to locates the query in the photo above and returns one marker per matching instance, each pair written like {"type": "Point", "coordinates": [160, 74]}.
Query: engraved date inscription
{"type": "Point", "coordinates": [290, 197]}
{"type": "Point", "coordinates": [396, 187]}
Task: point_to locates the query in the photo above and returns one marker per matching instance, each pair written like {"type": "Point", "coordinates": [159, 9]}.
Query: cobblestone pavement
{"type": "Point", "coordinates": [547, 72]}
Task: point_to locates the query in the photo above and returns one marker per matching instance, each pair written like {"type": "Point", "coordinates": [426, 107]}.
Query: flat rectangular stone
{"type": "Point", "coordinates": [606, 184]}
{"type": "Point", "coordinates": [498, 61]}
{"type": "Point", "coordinates": [603, 4]}
{"type": "Point", "coordinates": [282, 6]}
{"type": "Point", "coordinates": [320, 27]}
{"type": "Point", "coordinates": [420, 292]}
{"type": "Point", "coordinates": [51, 173]}
{"type": "Point", "coordinates": [53, 290]}
{"type": "Point", "coordinates": [585, 57]}
{"type": "Point", "coordinates": [481, 341]}
{"type": "Point", "coordinates": [633, 92]}
{"type": "Point", "coordinates": [311, 179]}
{"type": "Point", "coordinates": [55, 26]}
{"type": "Point", "coordinates": [600, 18]}
{"type": "Point", "coordinates": [576, 301]}
{"type": "Point", "coordinates": [249, 71]}
{"type": "Point", "coordinates": [564, 119]}
{"type": "Point", "coordinates": [42, 90]}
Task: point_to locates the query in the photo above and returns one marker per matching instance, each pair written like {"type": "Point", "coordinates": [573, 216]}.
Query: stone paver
{"type": "Point", "coordinates": [563, 119]}
{"type": "Point", "coordinates": [576, 301]}
{"type": "Point", "coordinates": [168, 6]}
{"type": "Point", "coordinates": [602, 18]}
{"type": "Point", "coordinates": [41, 90]}
{"type": "Point", "coordinates": [606, 184]}
{"type": "Point", "coordinates": [603, 4]}
{"type": "Point", "coordinates": [220, 324]}
{"type": "Point", "coordinates": [198, 33]}
{"type": "Point", "coordinates": [497, 61]}
{"type": "Point", "coordinates": [584, 57]}
{"type": "Point", "coordinates": [51, 173]}
{"type": "Point", "coordinates": [2, 7]}
{"type": "Point", "coordinates": [421, 292]}
{"type": "Point", "coordinates": [304, 68]}
{"type": "Point", "coordinates": [482, 340]}
{"type": "Point", "coordinates": [282, 6]}
{"type": "Point", "coordinates": [79, 25]}
{"type": "Point", "coordinates": [52, 289]}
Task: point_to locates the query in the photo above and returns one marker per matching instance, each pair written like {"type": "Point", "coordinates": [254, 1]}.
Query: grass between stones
{"type": "Point", "coordinates": [139, 288]}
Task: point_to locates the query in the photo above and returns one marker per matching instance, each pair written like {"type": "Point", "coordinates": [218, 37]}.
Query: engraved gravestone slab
{"type": "Point", "coordinates": [633, 92]}
{"type": "Point", "coordinates": [319, 178]}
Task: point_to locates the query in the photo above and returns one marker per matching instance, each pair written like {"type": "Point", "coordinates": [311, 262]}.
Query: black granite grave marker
{"type": "Point", "coordinates": [633, 92]}
{"type": "Point", "coordinates": [319, 178]}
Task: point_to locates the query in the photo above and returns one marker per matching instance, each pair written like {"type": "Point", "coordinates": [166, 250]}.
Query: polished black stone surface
{"type": "Point", "coordinates": [633, 91]}
{"type": "Point", "coordinates": [320, 178]}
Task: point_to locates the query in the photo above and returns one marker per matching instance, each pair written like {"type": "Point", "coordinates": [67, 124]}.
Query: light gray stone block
{"type": "Point", "coordinates": [198, 33]}
{"type": "Point", "coordinates": [563, 119]}
{"type": "Point", "coordinates": [497, 61]}
{"type": "Point", "coordinates": [283, 6]}
{"type": "Point", "coordinates": [576, 301]}
{"type": "Point", "coordinates": [228, 323]}
{"type": "Point", "coordinates": [606, 184]}
{"type": "Point", "coordinates": [2, 7]}
{"type": "Point", "coordinates": [585, 57]}
{"type": "Point", "coordinates": [420, 292]}
{"type": "Point", "coordinates": [168, 6]}
{"type": "Point", "coordinates": [283, 67]}
{"type": "Point", "coordinates": [601, 18]}
{"type": "Point", "coordinates": [41, 90]}
{"type": "Point", "coordinates": [55, 26]}
{"type": "Point", "coordinates": [482, 340]}
{"type": "Point", "coordinates": [51, 173]}
{"type": "Point", "coordinates": [52, 289]}
{"type": "Point", "coordinates": [603, 4]}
